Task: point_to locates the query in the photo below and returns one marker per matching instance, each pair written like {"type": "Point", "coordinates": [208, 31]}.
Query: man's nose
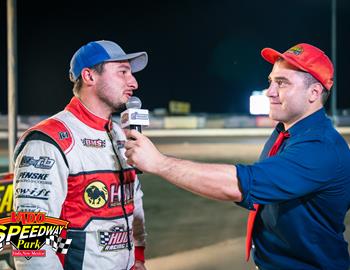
{"type": "Point", "coordinates": [132, 82]}
{"type": "Point", "coordinates": [271, 91]}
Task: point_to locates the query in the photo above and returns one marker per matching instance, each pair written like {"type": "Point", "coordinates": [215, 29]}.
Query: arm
{"type": "Point", "coordinates": [215, 181]}
{"type": "Point", "coordinates": [48, 187]}
{"type": "Point", "coordinates": [139, 232]}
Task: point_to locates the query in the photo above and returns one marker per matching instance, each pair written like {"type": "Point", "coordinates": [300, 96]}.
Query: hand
{"type": "Point", "coordinates": [140, 265]}
{"type": "Point", "coordinates": [141, 152]}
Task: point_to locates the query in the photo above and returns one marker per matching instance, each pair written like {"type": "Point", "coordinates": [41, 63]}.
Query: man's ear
{"type": "Point", "coordinates": [87, 76]}
{"type": "Point", "coordinates": [316, 90]}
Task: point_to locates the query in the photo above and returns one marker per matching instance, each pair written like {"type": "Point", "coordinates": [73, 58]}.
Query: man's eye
{"type": "Point", "coordinates": [280, 83]}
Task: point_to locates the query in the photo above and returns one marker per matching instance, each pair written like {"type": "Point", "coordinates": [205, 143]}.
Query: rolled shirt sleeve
{"type": "Point", "coordinates": [303, 167]}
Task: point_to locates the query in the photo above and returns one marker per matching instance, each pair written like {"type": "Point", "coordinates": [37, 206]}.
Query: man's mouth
{"type": "Point", "coordinates": [128, 94]}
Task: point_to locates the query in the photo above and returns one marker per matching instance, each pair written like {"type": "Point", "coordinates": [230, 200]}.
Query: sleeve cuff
{"type": "Point", "coordinates": [140, 254]}
{"type": "Point", "coordinates": [243, 176]}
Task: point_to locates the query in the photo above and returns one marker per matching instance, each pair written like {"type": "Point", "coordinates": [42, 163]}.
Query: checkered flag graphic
{"type": "Point", "coordinates": [2, 244]}
{"type": "Point", "coordinates": [58, 244]}
{"type": "Point", "coordinates": [104, 238]}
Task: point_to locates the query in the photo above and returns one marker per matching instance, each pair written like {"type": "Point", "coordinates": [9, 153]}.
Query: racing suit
{"type": "Point", "coordinates": [72, 166]}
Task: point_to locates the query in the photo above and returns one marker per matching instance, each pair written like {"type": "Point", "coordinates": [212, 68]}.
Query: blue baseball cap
{"type": "Point", "coordinates": [97, 52]}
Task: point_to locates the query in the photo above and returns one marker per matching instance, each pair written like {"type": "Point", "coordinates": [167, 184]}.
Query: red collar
{"type": "Point", "coordinates": [77, 108]}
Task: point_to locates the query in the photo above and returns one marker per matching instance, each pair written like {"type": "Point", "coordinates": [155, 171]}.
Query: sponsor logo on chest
{"type": "Point", "coordinates": [96, 143]}
{"type": "Point", "coordinates": [96, 194]}
{"type": "Point", "coordinates": [115, 239]}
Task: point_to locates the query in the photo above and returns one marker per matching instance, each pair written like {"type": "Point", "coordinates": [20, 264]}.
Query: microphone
{"type": "Point", "coordinates": [134, 117]}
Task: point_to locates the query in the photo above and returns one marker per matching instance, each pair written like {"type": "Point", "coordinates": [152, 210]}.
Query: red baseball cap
{"type": "Point", "coordinates": [306, 58]}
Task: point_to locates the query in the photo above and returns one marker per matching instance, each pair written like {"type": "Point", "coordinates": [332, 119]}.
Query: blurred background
{"type": "Point", "coordinates": [203, 86]}
{"type": "Point", "coordinates": [204, 52]}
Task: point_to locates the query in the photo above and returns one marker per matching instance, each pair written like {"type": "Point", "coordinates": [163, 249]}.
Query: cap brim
{"type": "Point", "coordinates": [138, 61]}
{"type": "Point", "coordinates": [271, 56]}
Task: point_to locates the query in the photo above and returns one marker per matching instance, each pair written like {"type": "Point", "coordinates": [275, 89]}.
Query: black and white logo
{"type": "Point", "coordinates": [41, 162]}
{"type": "Point", "coordinates": [32, 193]}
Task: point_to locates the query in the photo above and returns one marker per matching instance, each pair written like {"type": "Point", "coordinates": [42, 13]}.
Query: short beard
{"type": "Point", "coordinates": [120, 109]}
{"type": "Point", "coordinates": [115, 106]}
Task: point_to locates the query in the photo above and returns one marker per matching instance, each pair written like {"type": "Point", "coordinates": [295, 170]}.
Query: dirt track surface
{"type": "Point", "coordinates": [224, 255]}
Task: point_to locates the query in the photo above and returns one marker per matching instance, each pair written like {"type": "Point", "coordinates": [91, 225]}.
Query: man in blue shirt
{"type": "Point", "coordinates": [299, 189]}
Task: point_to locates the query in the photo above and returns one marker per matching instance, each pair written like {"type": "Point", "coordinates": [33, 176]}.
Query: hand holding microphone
{"type": "Point", "coordinates": [134, 117]}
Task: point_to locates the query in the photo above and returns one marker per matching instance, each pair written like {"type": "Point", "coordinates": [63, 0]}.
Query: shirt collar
{"type": "Point", "coordinates": [304, 123]}
{"type": "Point", "coordinates": [77, 108]}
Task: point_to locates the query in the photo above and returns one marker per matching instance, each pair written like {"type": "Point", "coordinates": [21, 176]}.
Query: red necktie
{"type": "Point", "coordinates": [252, 213]}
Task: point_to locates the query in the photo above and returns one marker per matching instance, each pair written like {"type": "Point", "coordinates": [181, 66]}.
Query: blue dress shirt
{"type": "Point", "coordinates": [304, 192]}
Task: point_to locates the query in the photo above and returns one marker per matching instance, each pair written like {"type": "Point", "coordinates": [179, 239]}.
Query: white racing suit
{"type": "Point", "coordinates": [72, 166]}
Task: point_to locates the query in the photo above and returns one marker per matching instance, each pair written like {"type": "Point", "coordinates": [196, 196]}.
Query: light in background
{"type": "Point", "coordinates": [259, 103]}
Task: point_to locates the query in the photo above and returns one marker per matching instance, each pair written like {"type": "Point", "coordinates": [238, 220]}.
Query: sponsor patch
{"type": "Point", "coordinates": [297, 50]}
{"type": "Point", "coordinates": [28, 208]}
{"type": "Point", "coordinates": [115, 194]}
{"type": "Point", "coordinates": [96, 194]}
{"type": "Point", "coordinates": [115, 239]}
{"type": "Point", "coordinates": [63, 135]}
{"type": "Point", "coordinates": [28, 232]}
{"type": "Point", "coordinates": [31, 175]}
{"type": "Point", "coordinates": [97, 143]}
{"type": "Point", "coordinates": [139, 116]}
{"type": "Point", "coordinates": [40, 163]}
{"type": "Point", "coordinates": [32, 193]}
{"type": "Point", "coordinates": [125, 118]}
{"type": "Point", "coordinates": [41, 182]}
{"type": "Point", "coordinates": [120, 144]}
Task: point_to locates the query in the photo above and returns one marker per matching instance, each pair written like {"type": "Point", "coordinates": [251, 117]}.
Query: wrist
{"type": "Point", "coordinates": [140, 254]}
{"type": "Point", "coordinates": [162, 165]}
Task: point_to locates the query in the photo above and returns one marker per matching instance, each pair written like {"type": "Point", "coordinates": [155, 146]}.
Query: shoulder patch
{"type": "Point", "coordinates": [57, 131]}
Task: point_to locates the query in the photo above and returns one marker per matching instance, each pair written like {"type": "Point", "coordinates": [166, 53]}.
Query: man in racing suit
{"type": "Point", "coordinates": [72, 166]}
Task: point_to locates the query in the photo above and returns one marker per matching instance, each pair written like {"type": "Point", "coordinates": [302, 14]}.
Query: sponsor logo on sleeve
{"type": "Point", "coordinates": [29, 208]}
{"type": "Point", "coordinates": [115, 239]}
{"type": "Point", "coordinates": [31, 177]}
{"type": "Point", "coordinates": [28, 232]}
{"type": "Point", "coordinates": [40, 163]}
{"type": "Point", "coordinates": [63, 135]}
{"type": "Point", "coordinates": [32, 193]}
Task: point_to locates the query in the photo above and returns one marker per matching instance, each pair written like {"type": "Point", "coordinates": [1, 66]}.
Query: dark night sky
{"type": "Point", "coordinates": [205, 52]}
